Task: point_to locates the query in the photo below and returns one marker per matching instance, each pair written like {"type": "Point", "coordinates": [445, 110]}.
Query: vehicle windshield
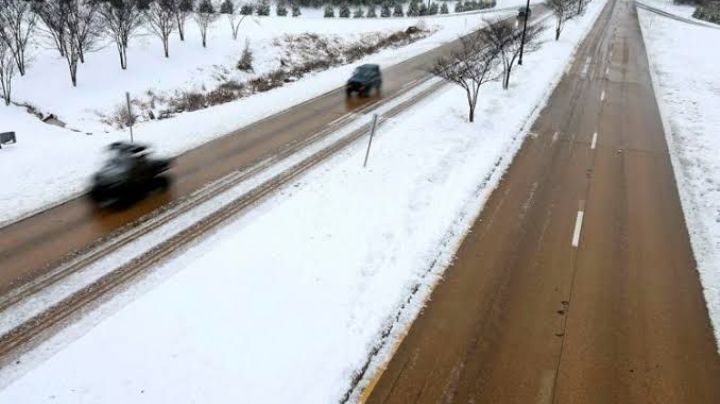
{"type": "Point", "coordinates": [118, 164]}
{"type": "Point", "coordinates": [363, 72]}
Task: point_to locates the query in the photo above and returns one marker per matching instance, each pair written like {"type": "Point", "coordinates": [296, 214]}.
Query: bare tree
{"type": "Point", "coordinates": [228, 8]}
{"type": "Point", "coordinates": [85, 25]}
{"type": "Point", "coordinates": [17, 24]}
{"type": "Point", "coordinates": [71, 25]}
{"type": "Point", "coordinates": [182, 12]}
{"type": "Point", "coordinates": [581, 6]}
{"type": "Point", "coordinates": [506, 39]}
{"type": "Point", "coordinates": [121, 19]}
{"type": "Point", "coordinates": [57, 18]}
{"type": "Point", "coordinates": [7, 71]}
{"type": "Point", "coordinates": [161, 16]}
{"type": "Point", "coordinates": [205, 16]}
{"type": "Point", "coordinates": [473, 64]}
{"type": "Point", "coordinates": [563, 10]}
{"type": "Point", "coordinates": [53, 26]}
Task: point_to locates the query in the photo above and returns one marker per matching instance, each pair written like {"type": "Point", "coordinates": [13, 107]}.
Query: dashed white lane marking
{"type": "Point", "coordinates": [594, 141]}
{"type": "Point", "coordinates": [602, 95]}
{"type": "Point", "coordinates": [578, 225]}
{"type": "Point", "coordinates": [587, 65]}
{"type": "Point", "coordinates": [607, 70]}
{"type": "Point", "coordinates": [555, 137]}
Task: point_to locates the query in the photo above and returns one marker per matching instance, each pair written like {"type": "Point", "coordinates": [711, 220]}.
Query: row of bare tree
{"type": "Point", "coordinates": [76, 27]}
{"type": "Point", "coordinates": [565, 10]}
{"type": "Point", "coordinates": [485, 56]}
{"type": "Point", "coordinates": [491, 53]}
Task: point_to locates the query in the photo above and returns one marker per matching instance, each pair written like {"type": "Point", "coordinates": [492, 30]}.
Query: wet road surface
{"type": "Point", "coordinates": [577, 284]}
{"type": "Point", "coordinates": [31, 246]}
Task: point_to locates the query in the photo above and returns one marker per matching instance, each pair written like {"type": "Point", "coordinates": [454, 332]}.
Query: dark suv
{"type": "Point", "coordinates": [128, 175]}
{"type": "Point", "coordinates": [364, 79]}
{"type": "Point", "coordinates": [524, 12]}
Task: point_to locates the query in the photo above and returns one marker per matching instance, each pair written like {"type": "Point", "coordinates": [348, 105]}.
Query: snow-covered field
{"type": "Point", "coordinates": [285, 303]}
{"type": "Point", "coordinates": [50, 164]}
{"type": "Point", "coordinates": [681, 10]}
{"type": "Point", "coordinates": [688, 89]}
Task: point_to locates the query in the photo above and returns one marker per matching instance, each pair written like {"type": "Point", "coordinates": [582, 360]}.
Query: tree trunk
{"type": "Point", "coordinates": [73, 73]}
{"type": "Point", "coordinates": [166, 46]}
{"type": "Point", "coordinates": [6, 90]}
{"type": "Point", "coordinates": [506, 79]}
{"type": "Point", "coordinates": [181, 28]}
{"type": "Point", "coordinates": [61, 50]}
{"type": "Point", "coordinates": [19, 56]}
{"type": "Point", "coordinates": [81, 54]}
{"type": "Point", "coordinates": [557, 33]}
{"type": "Point", "coordinates": [122, 55]}
{"type": "Point", "coordinates": [5, 94]}
{"type": "Point", "coordinates": [204, 37]}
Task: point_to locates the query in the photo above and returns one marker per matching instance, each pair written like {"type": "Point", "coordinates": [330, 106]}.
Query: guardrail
{"type": "Point", "coordinates": [675, 17]}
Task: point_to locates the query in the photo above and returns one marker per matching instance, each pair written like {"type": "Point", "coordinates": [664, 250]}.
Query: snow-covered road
{"type": "Point", "coordinates": [285, 303]}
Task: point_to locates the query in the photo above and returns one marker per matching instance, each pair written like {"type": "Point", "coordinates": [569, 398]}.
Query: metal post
{"type": "Point", "coordinates": [522, 39]}
{"type": "Point", "coordinates": [372, 133]}
{"type": "Point", "coordinates": [130, 116]}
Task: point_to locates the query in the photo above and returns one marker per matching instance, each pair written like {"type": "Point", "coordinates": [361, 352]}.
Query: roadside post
{"type": "Point", "coordinates": [372, 133]}
{"type": "Point", "coordinates": [7, 138]}
{"type": "Point", "coordinates": [522, 39]}
{"type": "Point", "coordinates": [130, 116]}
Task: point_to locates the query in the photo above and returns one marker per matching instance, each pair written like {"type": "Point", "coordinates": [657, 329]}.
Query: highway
{"type": "Point", "coordinates": [577, 284]}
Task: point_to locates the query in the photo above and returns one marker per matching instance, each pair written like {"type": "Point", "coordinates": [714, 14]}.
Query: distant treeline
{"type": "Point", "coordinates": [321, 3]}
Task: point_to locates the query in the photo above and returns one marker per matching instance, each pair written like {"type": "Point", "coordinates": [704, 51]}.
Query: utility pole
{"type": "Point", "coordinates": [522, 39]}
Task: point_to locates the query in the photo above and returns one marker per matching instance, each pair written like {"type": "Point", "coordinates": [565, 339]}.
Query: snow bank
{"type": "Point", "coordinates": [284, 304]}
{"type": "Point", "coordinates": [680, 10]}
{"type": "Point", "coordinates": [687, 84]}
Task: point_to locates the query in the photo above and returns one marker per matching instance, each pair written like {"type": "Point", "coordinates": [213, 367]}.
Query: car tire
{"type": "Point", "coordinates": [163, 183]}
{"type": "Point", "coordinates": [96, 195]}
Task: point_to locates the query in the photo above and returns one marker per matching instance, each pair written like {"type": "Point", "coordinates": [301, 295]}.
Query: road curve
{"type": "Point", "coordinates": [577, 284]}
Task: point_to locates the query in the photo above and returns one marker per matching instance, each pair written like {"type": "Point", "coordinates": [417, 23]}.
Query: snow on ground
{"type": "Point", "coordinates": [49, 165]}
{"type": "Point", "coordinates": [284, 304]}
{"type": "Point", "coordinates": [688, 90]}
{"type": "Point", "coordinates": [681, 10]}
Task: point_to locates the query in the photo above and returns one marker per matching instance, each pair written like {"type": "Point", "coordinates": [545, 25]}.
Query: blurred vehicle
{"type": "Point", "coordinates": [129, 175]}
{"type": "Point", "coordinates": [363, 80]}
{"type": "Point", "coordinates": [524, 12]}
